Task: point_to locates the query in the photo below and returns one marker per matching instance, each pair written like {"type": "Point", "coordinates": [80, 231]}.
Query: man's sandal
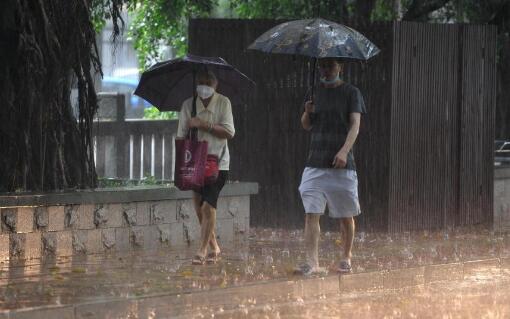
{"type": "Point", "coordinates": [198, 260]}
{"type": "Point", "coordinates": [212, 258]}
{"type": "Point", "coordinates": [306, 270]}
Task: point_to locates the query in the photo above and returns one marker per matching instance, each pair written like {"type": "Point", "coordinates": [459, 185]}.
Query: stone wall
{"type": "Point", "coordinates": [63, 224]}
{"type": "Point", "coordinates": [502, 198]}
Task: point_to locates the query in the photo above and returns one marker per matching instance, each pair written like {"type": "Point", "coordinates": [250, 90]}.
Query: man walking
{"type": "Point", "coordinates": [333, 119]}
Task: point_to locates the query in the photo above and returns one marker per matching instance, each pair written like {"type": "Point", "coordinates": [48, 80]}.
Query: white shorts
{"type": "Point", "coordinates": [338, 188]}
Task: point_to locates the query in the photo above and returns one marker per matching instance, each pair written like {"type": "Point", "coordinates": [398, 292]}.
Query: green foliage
{"type": "Point", "coordinates": [475, 11]}
{"type": "Point", "coordinates": [103, 10]}
{"type": "Point", "coordinates": [160, 23]}
{"type": "Point", "coordinates": [291, 9]}
{"type": "Point", "coordinates": [283, 9]}
{"type": "Point", "coordinates": [384, 11]}
{"type": "Point", "coordinates": [152, 113]}
{"type": "Point", "coordinates": [99, 16]}
{"type": "Point", "coordinates": [149, 180]}
{"type": "Point", "coordinates": [104, 182]}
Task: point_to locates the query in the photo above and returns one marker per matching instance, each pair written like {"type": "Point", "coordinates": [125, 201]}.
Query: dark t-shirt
{"type": "Point", "coordinates": [330, 124]}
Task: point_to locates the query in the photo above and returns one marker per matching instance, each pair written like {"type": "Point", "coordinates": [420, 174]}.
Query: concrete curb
{"type": "Point", "coordinates": [117, 195]}
{"type": "Point", "coordinates": [172, 305]}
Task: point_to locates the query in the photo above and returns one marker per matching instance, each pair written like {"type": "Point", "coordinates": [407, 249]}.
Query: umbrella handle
{"type": "Point", "coordinates": [193, 133]}
{"type": "Point", "coordinates": [314, 67]}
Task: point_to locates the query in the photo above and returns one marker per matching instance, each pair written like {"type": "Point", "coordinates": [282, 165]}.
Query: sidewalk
{"type": "Point", "coordinates": [261, 267]}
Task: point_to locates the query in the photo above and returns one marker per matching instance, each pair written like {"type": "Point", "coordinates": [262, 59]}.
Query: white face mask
{"type": "Point", "coordinates": [205, 91]}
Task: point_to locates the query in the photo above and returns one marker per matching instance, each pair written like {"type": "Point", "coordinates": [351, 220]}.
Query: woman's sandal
{"type": "Point", "coordinates": [344, 267]}
{"type": "Point", "coordinates": [212, 258]}
{"type": "Point", "coordinates": [198, 260]}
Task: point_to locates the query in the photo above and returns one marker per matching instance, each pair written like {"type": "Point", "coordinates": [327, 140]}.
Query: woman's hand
{"type": "Point", "coordinates": [195, 122]}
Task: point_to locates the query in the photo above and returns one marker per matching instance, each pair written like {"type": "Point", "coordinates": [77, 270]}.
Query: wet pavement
{"type": "Point", "coordinates": [255, 278]}
{"type": "Point", "coordinates": [468, 298]}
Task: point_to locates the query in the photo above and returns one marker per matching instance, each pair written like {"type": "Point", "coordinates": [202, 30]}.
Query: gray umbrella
{"type": "Point", "coordinates": [316, 38]}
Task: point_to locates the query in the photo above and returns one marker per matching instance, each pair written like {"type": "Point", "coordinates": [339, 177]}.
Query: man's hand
{"type": "Point", "coordinates": [195, 122]}
{"type": "Point", "coordinates": [340, 160]}
{"type": "Point", "coordinates": [309, 107]}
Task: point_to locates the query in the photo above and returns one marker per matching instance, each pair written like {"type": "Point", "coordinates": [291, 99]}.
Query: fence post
{"type": "Point", "coordinates": [122, 140]}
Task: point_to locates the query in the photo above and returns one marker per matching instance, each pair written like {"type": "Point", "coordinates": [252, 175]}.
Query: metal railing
{"type": "Point", "coordinates": [132, 149]}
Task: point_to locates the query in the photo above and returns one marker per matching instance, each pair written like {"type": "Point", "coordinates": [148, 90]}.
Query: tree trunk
{"type": "Point", "coordinates": [49, 43]}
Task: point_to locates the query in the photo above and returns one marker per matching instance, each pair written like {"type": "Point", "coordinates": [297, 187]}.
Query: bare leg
{"type": "Point", "coordinates": [348, 226]}
{"type": "Point", "coordinates": [312, 234]}
{"type": "Point", "coordinates": [196, 203]}
{"type": "Point", "coordinates": [207, 227]}
{"type": "Point", "coordinates": [213, 244]}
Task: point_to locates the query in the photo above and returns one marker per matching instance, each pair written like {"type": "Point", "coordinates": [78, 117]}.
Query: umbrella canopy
{"type": "Point", "coordinates": [166, 85]}
{"type": "Point", "coordinates": [317, 38]}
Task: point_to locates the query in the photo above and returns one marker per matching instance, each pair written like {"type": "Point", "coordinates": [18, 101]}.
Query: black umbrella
{"type": "Point", "coordinates": [316, 38]}
{"type": "Point", "coordinates": [166, 85]}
